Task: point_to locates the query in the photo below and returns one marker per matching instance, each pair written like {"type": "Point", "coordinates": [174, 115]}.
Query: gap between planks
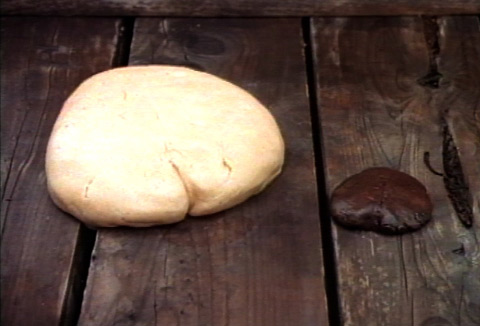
{"type": "Point", "coordinates": [87, 236]}
{"type": "Point", "coordinates": [329, 261]}
{"type": "Point", "coordinates": [40, 244]}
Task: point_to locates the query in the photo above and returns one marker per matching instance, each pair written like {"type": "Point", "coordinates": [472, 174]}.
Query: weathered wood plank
{"type": "Point", "coordinates": [240, 8]}
{"type": "Point", "coordinates": [459, 63]}
{"type": "Point", "coordinates": [459, 98]}
{"type": "Point", "coordinates": [374, 112]}
{"type": "Point", "coordinates": [43, 59]}
{"type": "Point", "coordinates": [256, 264]}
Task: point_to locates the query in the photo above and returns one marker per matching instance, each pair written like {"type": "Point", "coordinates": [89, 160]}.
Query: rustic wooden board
{"type": "Point", "coordinates": [259, 263]}
{"type": "Point", "coordinates": [43, 59]}
{"type": "Point", "coordinates": [459, 63]}
{"type": "Point", "coordinates": [374, 112]}
{"type": "Point", "coordinates": [240, 8]}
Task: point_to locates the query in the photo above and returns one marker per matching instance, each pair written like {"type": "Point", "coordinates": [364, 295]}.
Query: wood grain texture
{"type": "Point", "coordinates": [374, 112]}
{"type": "Point", "coordinates": [240, 8]}
{"type": "Point", "coordinates": [43, 59]}
{"type": "Point", "coordinates": [458, 62]}
{"type": "Point", "coordinates": [256, 264]}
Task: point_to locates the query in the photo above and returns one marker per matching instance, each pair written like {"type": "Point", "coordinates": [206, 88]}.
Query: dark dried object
{"type": "Point", "coordinates": [383, 200]}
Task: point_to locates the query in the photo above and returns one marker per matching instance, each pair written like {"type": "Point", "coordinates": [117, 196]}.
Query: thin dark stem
{"type": "Point", "coordinates": [426, 160]}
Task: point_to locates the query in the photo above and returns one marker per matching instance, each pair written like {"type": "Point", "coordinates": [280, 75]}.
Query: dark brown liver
{"type": "Point", "coordinates": [382, 200]}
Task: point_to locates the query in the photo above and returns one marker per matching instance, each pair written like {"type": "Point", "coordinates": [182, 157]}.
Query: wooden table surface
{"type": "Point", "coordinates": [348, 93]}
